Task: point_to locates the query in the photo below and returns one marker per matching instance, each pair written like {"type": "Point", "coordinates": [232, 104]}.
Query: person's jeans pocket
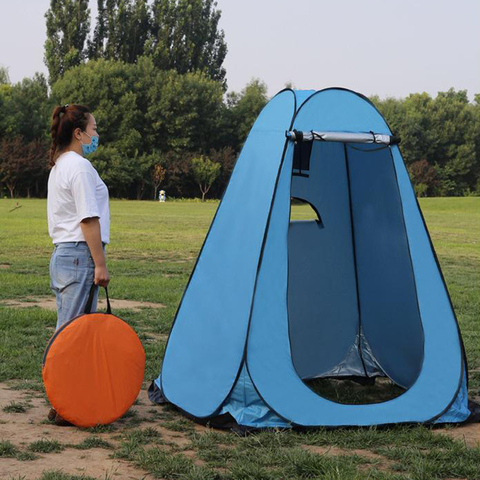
{"type": "Point", "coordinates": [64, 271]}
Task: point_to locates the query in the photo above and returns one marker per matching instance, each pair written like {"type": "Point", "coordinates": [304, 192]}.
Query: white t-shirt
{"type": "Point", "coordinates": [75, 192]}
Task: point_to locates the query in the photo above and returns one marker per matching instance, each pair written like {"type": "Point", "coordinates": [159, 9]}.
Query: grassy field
{"type": "Point", "coordinates": [152, 253]}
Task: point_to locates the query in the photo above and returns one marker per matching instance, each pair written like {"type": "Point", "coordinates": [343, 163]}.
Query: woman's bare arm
{"type": "Point", "coordinates": [91, 231]}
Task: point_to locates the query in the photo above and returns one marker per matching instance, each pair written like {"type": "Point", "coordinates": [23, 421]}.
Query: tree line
{"type": "Point", "coordinates": [152, 73]}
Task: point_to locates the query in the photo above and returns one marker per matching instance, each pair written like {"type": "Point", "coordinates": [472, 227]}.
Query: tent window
{"type": "Point", "coordinates": [301, 158]}
{"type": "Point", "coordinates": [301, 210]}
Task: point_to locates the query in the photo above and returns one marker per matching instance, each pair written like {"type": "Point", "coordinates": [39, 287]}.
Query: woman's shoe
{"type": "Point", "coordinates": [51, 414]}
{"type": "Point", "coordinates": [61, 422]}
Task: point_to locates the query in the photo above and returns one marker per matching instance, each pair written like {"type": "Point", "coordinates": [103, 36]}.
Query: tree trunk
{"type": "Point", "coordinates": [12, 189]}
{"type": "Point", "coordinates": [140, 191]}
{"type": "Point", "coordinates": [156, 187]}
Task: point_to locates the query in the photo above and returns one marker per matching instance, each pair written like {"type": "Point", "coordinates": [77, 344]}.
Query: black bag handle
{"type": "Point", "coordinates": [88, 306]}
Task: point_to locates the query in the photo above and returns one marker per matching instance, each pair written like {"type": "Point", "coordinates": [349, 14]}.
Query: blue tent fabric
{"type": "Point", "coordinates": [213, 316]}
{"type": "Point", "coordinates": [272, 302]}
{"type": "Point", "coordinates": [458, 411]}
{"type": "Point", "coordinates": [248, 409]}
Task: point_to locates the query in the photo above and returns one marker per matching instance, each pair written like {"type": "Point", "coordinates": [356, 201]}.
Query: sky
{"type": "Point", "coordinates": [389, 48]}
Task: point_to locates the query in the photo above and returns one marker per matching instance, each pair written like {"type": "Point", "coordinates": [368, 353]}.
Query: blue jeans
{"type": "Point", "coordinates": [72, 271]}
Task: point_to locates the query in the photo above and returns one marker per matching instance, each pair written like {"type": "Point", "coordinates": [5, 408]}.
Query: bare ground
{"type": "Point", "coordinates": [49, 303]}
{"type": "Point", "coordinates": [21, 429]}
{"type": "Point", "coordinates": [468, 433]}
{"type": "Point", "coordinates": [381, 462]}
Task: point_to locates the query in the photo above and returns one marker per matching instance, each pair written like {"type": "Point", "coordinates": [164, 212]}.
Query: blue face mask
{"type": "Point", "coordinates": [89, 148]}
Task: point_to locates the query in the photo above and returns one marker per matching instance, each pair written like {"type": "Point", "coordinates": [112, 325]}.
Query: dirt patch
{"type": "Point", "coordinates": [468, 433]}
{"type": "Point", "coordinates": [50, 304]}
{"type": "Point", "coordinates": [4, 266]}
{"type": "Point", "coordinates": [381, 462]}
{"type": "Point", "coordinates": [92, 463]}
{"type": "Point", "coordinates": [21, 429]}
{"type": "Point", "coordinates": [192, 455]}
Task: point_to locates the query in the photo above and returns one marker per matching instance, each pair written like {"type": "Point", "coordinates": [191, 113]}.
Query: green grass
{"type": "Point", "coordinates": [46, 446]}
{"type": "Point", "coordinates": [16, 407]}
{"type": "Point", "coordinates": [7, 449]}
{"type": "Point", "coordinates": [153, 250]}
{"type": "Point", "coordinates": [93, 442]}
{"type": "Point", "coordinates": [59, 475]}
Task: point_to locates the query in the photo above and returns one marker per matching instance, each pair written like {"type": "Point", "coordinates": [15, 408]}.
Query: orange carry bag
{"type": "Point", "coordinates": [93, 367]}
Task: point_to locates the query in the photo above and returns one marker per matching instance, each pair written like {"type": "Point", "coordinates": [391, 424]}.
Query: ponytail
{"type": "Point", "coordinates": [64, 122]}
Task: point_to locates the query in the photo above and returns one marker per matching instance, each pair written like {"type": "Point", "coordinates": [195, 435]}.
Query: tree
{"type": "Point", "coordinates": [21, 161]}
{"type": "Point", "coordinates": [226, 157]}
{"type": "Point", "coordinates": [116, 169]}
{"type": "Point", "coordinates": [205, 173]}
{"type": "Point", "coordinates": [68, 23]}
{"type": "Point", "coordinates": [441, 131]}
{"type": "Point", "coordinates": [183, 111]}
{"type": "Point", "coordinates": [158, 175]}
{"type": "Point", "coordinates": [455, 129]}
{"type": "Point", "coordinates": [179, 181]}
{"type": "Point", "coordinates": [424, 177]}
{"type": "Point", "coordinates": [186, 37]}
{"type": "Point", "coordinates": [27, 109]}
{"type": "Point", "coordinates": [11, 163]}
{"type": "Point", "coordinates": [122, 28]}
{"type": "Point", "coordinates": [181, 35]}
{"type": "Point", "coordinates": [4, 76]}
{"type": "Point", "coordinates": [240, 113]}
{"type": "Point", "coordinates": [143, 112]}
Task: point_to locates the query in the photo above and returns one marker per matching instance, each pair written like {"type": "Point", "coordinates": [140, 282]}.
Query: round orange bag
{"type": "Point", "coordinates": [93, 368]}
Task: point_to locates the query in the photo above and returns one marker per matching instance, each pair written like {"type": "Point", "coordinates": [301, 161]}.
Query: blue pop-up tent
{"type": "Point", "coordinates": [355, 292]}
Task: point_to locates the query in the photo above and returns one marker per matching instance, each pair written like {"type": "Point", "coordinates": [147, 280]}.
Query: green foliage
{"type": "Point", "coordinates": [24, 108]}
{"type": "Point", "coordinates": [149, 116]}
{"type": "Point", "coordinates": [158, 175]}
{"type": "Point", "coordinates": [241, 111]}
{"type": "Point", "coordinates": [205, 173]}
{"type": "Point", "coordinates": [180, 35]}
{"type": "Point", "coordinates": [4, 76]}
{"type": "Point", "coordinates": [141, 112]}
{"type": "Point", "coordinates": [22, 163]}
{"type": "Point", "coordinates": [440, 140]}
{"type": "Point", "coordinates": [68, 23]}
{"type": "Point", "coordinates": [121, 30]}
{"type": "Point", "coordinates": [186, 37]}
{"type": "Point", "coordinates": [23, 135]}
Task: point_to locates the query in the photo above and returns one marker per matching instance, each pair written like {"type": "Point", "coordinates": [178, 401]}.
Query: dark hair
{"type": "Point", "coordinates": [64, 121]}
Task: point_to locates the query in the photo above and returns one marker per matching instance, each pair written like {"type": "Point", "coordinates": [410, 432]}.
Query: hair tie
{"type": "Point", "coordinates": [64, 108]}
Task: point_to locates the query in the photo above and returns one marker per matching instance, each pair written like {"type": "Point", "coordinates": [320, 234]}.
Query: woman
{"type": "Point", "coordinates": [78, 216]}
